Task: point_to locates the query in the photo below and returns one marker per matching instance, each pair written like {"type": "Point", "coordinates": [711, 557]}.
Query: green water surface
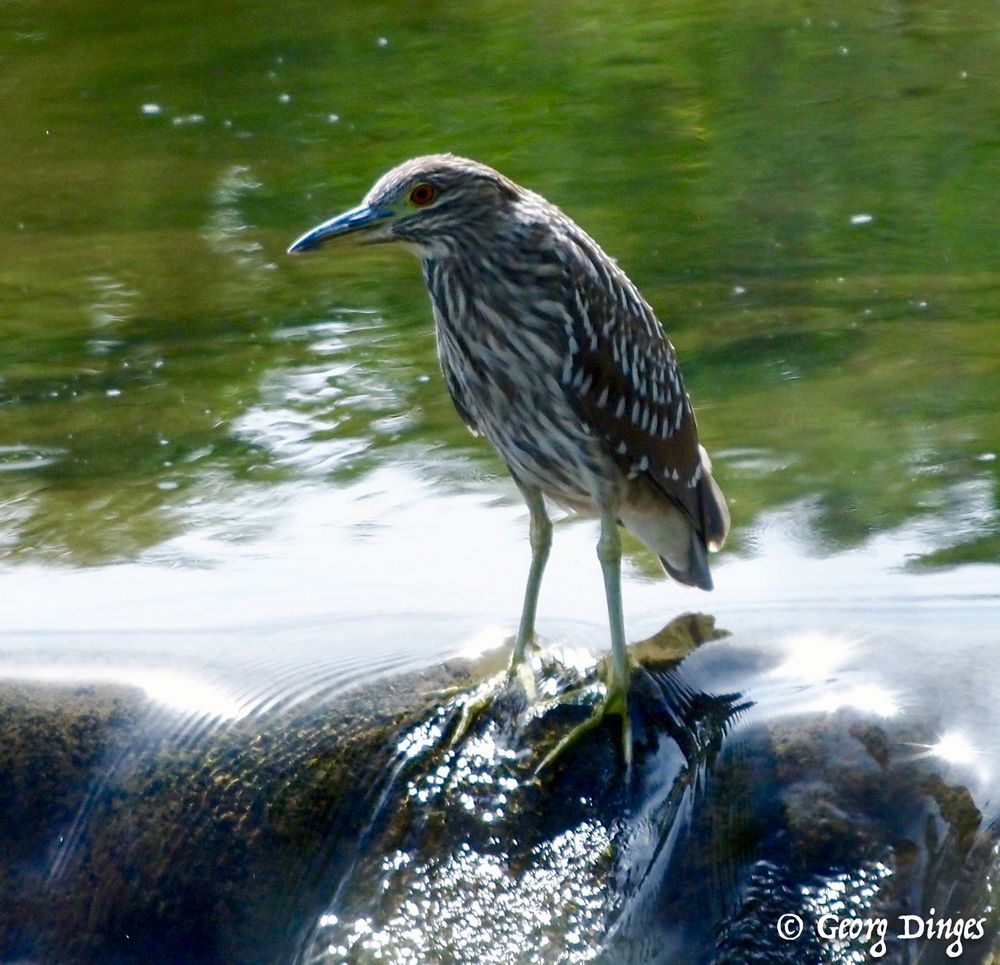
{"type": "Point", "coordinates": [807, 194]}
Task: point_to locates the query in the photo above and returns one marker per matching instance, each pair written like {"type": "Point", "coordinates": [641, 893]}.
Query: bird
{"type": "Point", "coordinates": [550, 352]}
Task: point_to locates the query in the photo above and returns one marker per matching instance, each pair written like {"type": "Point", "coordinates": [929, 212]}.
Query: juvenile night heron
{"type": "Point", "coordinates": [551, 353]}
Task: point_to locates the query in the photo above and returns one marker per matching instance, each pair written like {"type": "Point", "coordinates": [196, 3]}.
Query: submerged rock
{"type": "Point", "coordinates": [351, 829]}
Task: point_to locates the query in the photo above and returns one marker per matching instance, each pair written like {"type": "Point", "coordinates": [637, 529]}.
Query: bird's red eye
{"type": "Point", "coordinates": [423, 194]}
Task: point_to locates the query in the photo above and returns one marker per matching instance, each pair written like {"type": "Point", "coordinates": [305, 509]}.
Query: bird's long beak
{"type": "Point", "coordinates": [362, 224]}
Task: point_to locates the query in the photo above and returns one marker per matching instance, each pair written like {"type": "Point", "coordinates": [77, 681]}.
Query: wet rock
{"type": "Point", "coordinates": [352, 829]}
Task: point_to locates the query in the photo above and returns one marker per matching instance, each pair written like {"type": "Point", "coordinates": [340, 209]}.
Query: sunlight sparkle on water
{"type": "Point", "coordinates": [867, 698]}
{"type": "Point", "coordinates": [813, 656]}
{"type": "Point", "coordinates": [471, 896]}
{"type": "Point", "coordinates": [955, 748]}
{"type": "Point", "coordinates": [177, 691]}
{"type": "Point", "coordinates": [489, 638]}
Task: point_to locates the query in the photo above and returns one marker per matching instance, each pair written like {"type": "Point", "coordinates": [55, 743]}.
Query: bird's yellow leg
{"type": "Point", "coordinates": [618, 669]}
{"type": "Point", "coordinates": [540, 535]}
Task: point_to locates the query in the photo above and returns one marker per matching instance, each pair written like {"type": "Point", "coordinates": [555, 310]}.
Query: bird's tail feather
{"type": "Point", "coordinates": [683, 538]}
{"type": "Point", "coordinates": [696, 572]}
{"type": "Point", "coordinates": [672, 536]}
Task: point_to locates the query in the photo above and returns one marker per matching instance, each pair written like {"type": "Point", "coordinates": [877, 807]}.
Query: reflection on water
{"type": "Point", "coordinates": [832, 296]}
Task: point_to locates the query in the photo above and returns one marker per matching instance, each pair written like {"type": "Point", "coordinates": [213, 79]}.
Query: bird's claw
{"type": "Point", "coordinates": [614, 703]}
{"type": "Point", "coordinates": [475, 701]}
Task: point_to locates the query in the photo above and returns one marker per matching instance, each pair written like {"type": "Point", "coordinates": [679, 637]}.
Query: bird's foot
{"type": "Point", "coordinates": [614, 703]}
{"type": "Point", "coordinates": [473, 702]}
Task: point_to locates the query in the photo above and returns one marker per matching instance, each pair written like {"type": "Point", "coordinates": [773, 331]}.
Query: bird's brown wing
{"type": "Point", "coordinates": [623, 380]}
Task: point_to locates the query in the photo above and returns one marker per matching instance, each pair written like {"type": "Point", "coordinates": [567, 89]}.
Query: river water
{"type": "Point", "coordinates": [235, 480]}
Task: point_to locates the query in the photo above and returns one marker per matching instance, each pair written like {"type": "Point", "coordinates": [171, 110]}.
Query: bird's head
{"type": "Point", "coordinates": [432, 204]}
